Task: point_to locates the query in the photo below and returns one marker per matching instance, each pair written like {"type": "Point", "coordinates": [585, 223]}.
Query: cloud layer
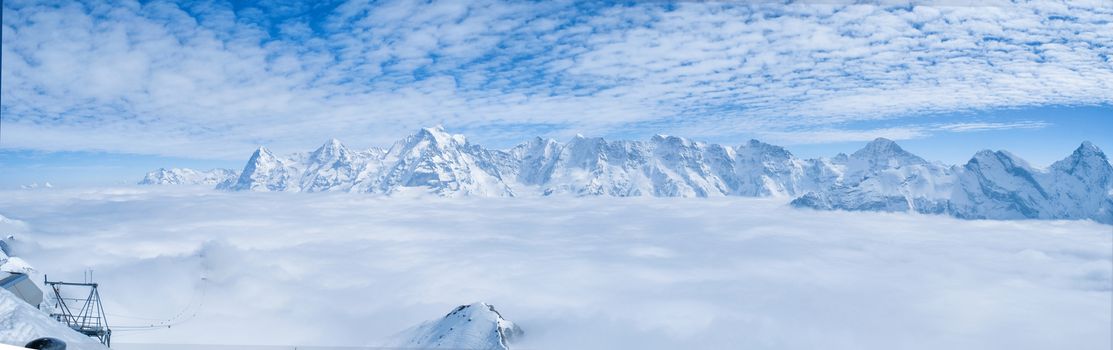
{"type": "Point", "coordinates": [212, 79]}
{"type": "Point", "coordinates": [583, 273]}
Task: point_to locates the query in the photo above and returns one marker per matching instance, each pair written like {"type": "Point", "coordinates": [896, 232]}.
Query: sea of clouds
{"type": "Point", "coordinates": [575, 273]}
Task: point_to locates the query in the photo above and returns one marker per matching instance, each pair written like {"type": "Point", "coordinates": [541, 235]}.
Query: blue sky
{"type": "Point", "coordinates": [100, 92]}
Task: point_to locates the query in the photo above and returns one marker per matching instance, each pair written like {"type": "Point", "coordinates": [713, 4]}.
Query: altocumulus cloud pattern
{"type": "Point", "coordinates": [209, 79]}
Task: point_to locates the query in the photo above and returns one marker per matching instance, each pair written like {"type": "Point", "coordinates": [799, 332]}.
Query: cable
{"type": "Point", "coordinates": [183, 316]}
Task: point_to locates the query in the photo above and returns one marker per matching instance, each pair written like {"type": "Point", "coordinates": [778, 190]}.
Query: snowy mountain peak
{"type": "Point", "coordinates": [533, 145]}
{"type": "Point", "coordinates": [262, 158]}
{"type": "Point", "coordinates": [263, 172]}
{"type": "Point", "coordinates": [759, 147]}
{"type": "Point", "coordinates": [439, 136]}
{"type": "Point", "coordinates": [882, 143]}
{"type": "Point", "coordinates": [1089, 150]}
{"type": "Point", "coordinates": [333, 144]}
{"type": "Point", "coordinates": [883, 153]}
{"type": "Point", "coordinates": [331, 151]}
{"type": "Point", "coordinates": [672, 141]}
{"type": "Point", "coordinates": [262, 154]}
{"type": "Point", "coordinates": [883, 147]}
{"type": "Point", "coordinates": [1087, 162]}
{"type": "Point", "coordinates": [1005, 158]}
{"type": "Point", "coordinates": [475, 326]}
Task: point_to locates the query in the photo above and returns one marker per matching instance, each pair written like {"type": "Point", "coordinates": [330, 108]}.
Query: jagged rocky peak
{"type": "Point", "coordinates": [263, 172]}
{"type": "Point", "coordinates": [671, 140]}
{"type": "Point", "coordinates": [767, 150]}
{"type": "Point", "coordinates": [440, 136]}
{"type": "Point", "coordinates": [988, 158]}
{"type": "Point", "coordinates": [881, 145]}
{"type": "Point", "coordinates": [1086, 158]}
{"type": "Point", "coordinates": [885, 152]}
{"type": "Point", "coordinates": [1084, 179]}
{"type": "Point", "coordinates": [580, 139]}
{"type": "Point", "coordinates": [583, 151]}
{"type": "Point", "coordinates": [670, 146]}
{"type": "Point", "coordinates": [983, 156]}
{"type": "Point", "coordinates": [427, 138]}
{"type": "Point", "coordinates": [474, 326]}
{"type": "Point", "coordinates": [262, 155]}
{"type": "Point", "coordinates": [884, 148]}
{"type": "Point", "coordinates": [1003, 170]}
{"type": "Point", "coordinates": [534, 147]}
{"type": "Point", "coordinates": [262, 159]}
{"type": "Point", "coordinates": [333, 143]}
{"type": "Point", "coordinates": [331, 149]}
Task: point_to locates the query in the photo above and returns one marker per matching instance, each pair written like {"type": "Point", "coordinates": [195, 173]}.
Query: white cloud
{"type": "Point", "coordinates": [972, 127]}
{"type": "Point", "coordinates": [835, 135]}
{"type": "Point", "coordinates": [121, 77]}
{"type": "Point", "coordinates": [819, 136]}
{"type": "Point", "coordinates": [575, 273]}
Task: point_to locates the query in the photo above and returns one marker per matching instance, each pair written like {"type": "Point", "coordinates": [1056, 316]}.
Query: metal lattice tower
{"type": "Point", "coordinates": [84, 315]}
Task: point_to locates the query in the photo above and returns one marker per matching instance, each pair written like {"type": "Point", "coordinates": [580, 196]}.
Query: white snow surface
{"type": "Point", "coordinates": [185, 176]}
{"type": "Point", "coordinates": [574, 273]}
{"type": "Point", "coordinates": [20, 323]}
{"type": "Point", "coordinates": [880, 177]}
{"type": "Point", "coordinates": [476, 326]}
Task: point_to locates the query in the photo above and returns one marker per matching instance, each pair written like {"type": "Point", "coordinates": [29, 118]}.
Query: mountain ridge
{"type": "Point", "coordinates": [881, 176]}
{"type": "Point", "coordinates": [186, 176]}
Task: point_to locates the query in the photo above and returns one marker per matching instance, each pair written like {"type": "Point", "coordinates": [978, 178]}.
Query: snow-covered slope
{"type": "Point", "coordinates": [476, 326]}
{"type": "Point", "coordinates": [20, 323]}
{"type": "Point", "coordinates": [185, 176]}
{"type": "Point", "coordinates": [992, 185]}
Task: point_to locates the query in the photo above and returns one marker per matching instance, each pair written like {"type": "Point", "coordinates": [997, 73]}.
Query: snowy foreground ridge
{"type": "Point", "coordinates": [476, 326]}
{"type": "Point", "coordinates": [879, 177]}
{"type": "Point", "coordinates": [20, 323]}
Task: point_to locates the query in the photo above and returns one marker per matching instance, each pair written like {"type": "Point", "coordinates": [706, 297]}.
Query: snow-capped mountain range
{"type": "Point", "coordinates": [475, 326]}
{"type": "Point", "coordinates": [881, 176]}
{"type": "Point", "coordinates": [992, 185]}
{"type": "Point", "coordinates": [448, 165]}
{"type": "Point", "coordinates": [183, 176]}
